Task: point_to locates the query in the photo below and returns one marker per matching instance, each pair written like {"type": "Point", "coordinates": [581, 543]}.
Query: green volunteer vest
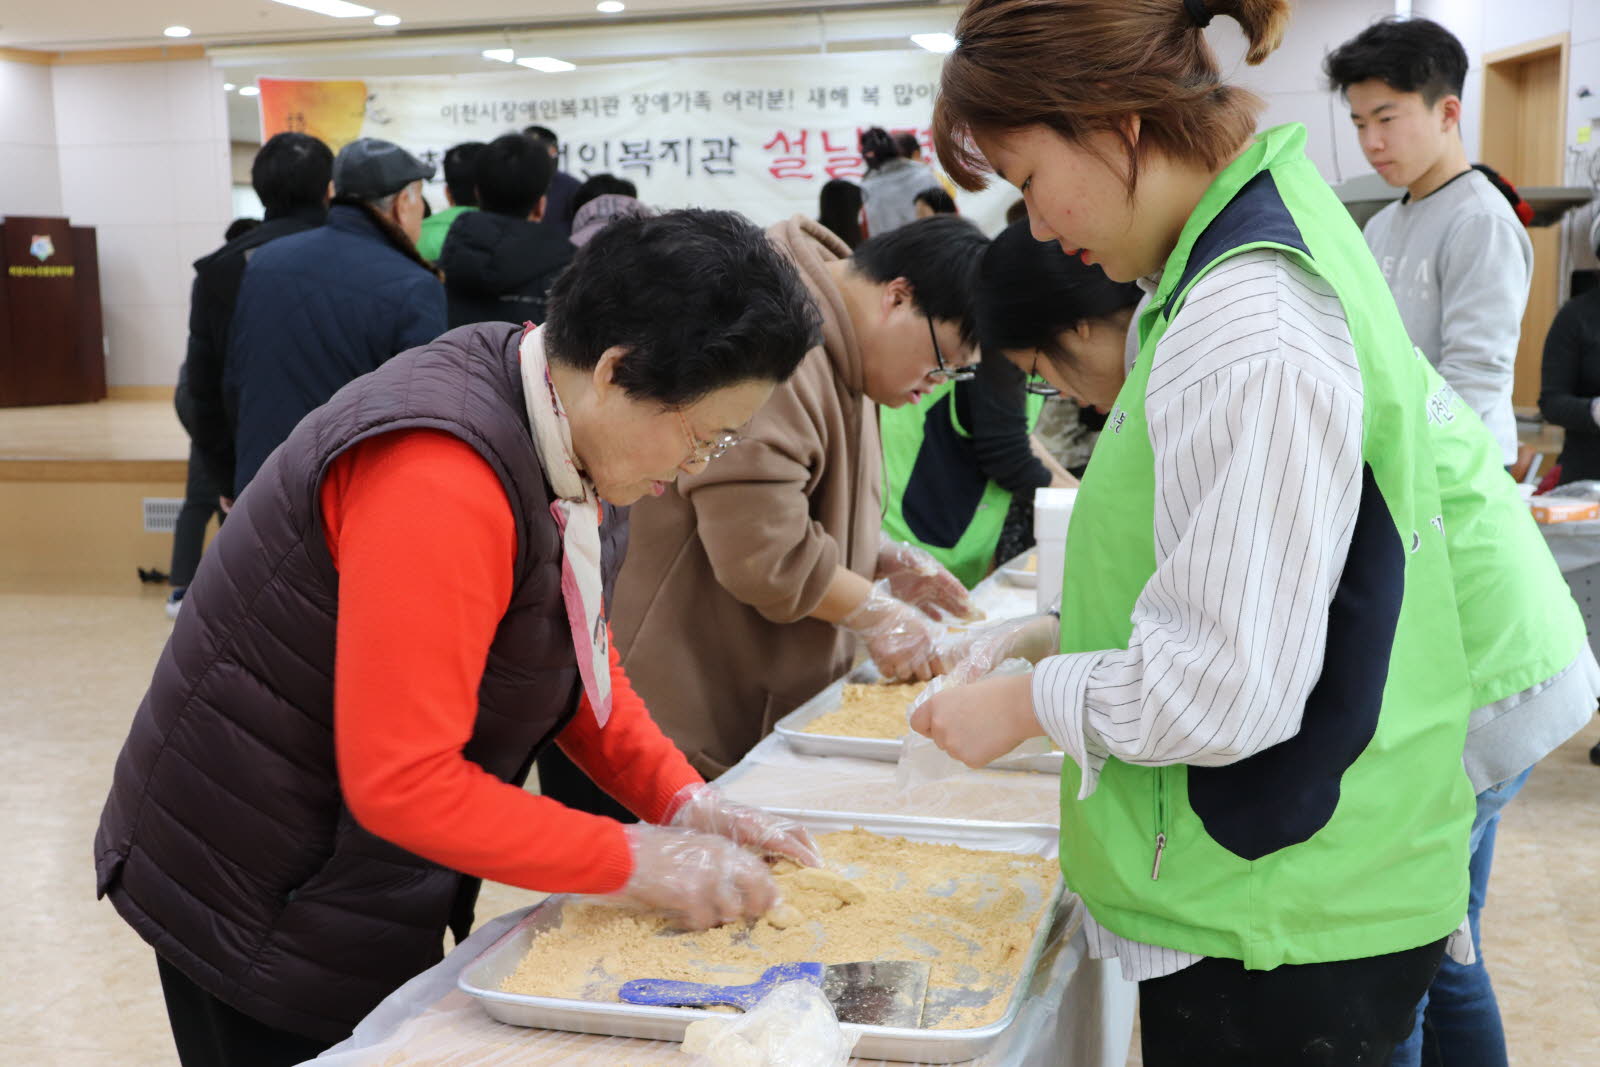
{"type": "Point", "coordinates": [1519, 623]}
{"type": "Point", "coordinates": [1349, 839]}
{"type": "Point", "coordinates": [904, 431]}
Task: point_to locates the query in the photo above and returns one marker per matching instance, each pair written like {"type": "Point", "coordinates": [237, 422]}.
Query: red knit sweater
{"type": "Point", "coordinates": [422, 535]}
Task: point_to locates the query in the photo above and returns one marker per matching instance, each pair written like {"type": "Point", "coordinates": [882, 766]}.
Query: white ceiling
{"type": "Point", "coordinates": [79, 24]}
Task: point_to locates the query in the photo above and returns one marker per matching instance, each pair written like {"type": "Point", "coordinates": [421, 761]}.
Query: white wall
{"type": "Point", "coordinates": [1292, 81]}
{"type": "Point", "coordinates": [1490, 25]}
{"type": "Point", "coordinates": [30, 179]}
{"type": "Point", "coordinates": [143, 151]}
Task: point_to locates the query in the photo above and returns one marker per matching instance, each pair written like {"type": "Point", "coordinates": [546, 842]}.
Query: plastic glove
{"type": "Point", "coordinates": [900, 639]}
{"type": "Point", "coordinates": [917, 578]}
{"type": "Point", "coordinates": [698, 880]}
{"type": "Point", "coordinates": [972, 654]}
{"type": "Point", "coordinates": [704, 808]}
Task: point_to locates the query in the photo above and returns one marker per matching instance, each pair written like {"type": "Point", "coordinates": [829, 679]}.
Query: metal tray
{"type": "Point", "coordinates": [481, 978]}
{"type": "Point", "coordinates": [792, 729]}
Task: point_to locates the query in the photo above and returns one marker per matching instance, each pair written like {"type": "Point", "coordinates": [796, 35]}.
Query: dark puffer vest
{"type": "Point", "coordinates": [225, 841]}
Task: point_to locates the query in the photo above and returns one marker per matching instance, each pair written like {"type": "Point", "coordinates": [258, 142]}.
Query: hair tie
{"type": "Point", "coordinates": [1198, 12]}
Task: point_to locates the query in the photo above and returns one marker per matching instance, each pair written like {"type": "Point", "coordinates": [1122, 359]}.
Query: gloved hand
{"type": "Point", "coordinates": [704, 808]}
{"type": "Point", "coordinates": [698, 880]}
{"type": "Point", "coordinates": [917, 578]}
{"type": "Point", "coordinates": [972, 654]}
{"type": "Point", "coordinates": [900, 639]}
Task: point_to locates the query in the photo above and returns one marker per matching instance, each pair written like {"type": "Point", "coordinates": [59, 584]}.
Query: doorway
{"type": "Point", "coordinates": [1524, 119]}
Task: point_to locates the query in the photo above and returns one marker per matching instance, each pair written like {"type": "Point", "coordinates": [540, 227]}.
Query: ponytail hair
{"type": "Point", "coordinates": [1081, 67]}
{"type": "Point", "coordinates": [877, 147]}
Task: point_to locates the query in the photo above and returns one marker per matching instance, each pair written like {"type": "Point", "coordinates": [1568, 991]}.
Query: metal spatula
{"type": "Point", "coordinates": [871, 993]}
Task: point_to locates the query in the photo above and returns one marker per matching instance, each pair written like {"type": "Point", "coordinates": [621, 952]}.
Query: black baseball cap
{"type": "Point", "coordinates": [369, 169]}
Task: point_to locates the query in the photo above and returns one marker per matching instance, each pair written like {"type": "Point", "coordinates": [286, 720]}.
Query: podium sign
{"type": "Point", "coordinates": [51, 350]}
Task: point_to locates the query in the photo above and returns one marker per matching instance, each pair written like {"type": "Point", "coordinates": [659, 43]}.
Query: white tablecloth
{"type": "Point", "coordinates": [1079, 1011]}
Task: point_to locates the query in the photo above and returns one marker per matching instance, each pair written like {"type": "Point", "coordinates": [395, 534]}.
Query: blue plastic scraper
{"type": "Point", "coordinates": [873, 993]}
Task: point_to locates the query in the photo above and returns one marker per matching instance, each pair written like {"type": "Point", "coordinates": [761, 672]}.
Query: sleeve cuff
{"type": "Point", "coordinates": [1059, 687]}
{"type": "Point", "coordinates": [613, 864]}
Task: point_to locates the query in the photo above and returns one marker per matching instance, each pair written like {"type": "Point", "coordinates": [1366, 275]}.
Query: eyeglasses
{"type": "Point", "coordinates": [705, 451]}
{"type": "Point", "coordinates": [1036, 385]}
{"type": "Point", "coordinates": [945, 372]}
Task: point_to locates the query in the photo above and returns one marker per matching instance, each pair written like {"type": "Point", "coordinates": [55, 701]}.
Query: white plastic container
{"type": "Point", "coordinates": [1052, 511]}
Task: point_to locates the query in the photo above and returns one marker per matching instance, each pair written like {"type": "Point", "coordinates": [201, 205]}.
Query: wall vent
{"type": "Point", "coordinates": [161, 513]}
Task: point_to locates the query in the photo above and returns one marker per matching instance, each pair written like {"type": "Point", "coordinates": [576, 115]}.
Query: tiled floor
{"type": "Point", "coordinates": [81, 991]}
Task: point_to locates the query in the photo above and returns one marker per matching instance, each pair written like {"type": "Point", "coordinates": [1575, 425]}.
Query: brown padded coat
{"type": "Point", "coordinates": [725, 566]}
{"type": "Point", "coordinates": [225, 841]}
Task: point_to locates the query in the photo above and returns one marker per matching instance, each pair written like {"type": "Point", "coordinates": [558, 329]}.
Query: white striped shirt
{"type": "Point", "coordinates": [1254, 409]}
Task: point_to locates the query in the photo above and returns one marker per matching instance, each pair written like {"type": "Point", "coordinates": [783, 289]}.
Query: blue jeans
{"type": "Point", "coordinates": [1458, 1021]}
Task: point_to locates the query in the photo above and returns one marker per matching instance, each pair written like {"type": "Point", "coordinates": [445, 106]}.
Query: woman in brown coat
{"type": "Point", "coordinates": [746, 581]}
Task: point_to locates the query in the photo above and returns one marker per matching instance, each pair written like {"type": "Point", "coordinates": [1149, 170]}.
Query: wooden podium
{"type": "Point", "coordinates": [51, 348]}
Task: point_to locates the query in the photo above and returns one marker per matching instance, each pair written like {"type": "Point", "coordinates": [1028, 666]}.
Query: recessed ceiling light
{"type": "Point", "coordinates": [176, 31]}
{"type": "Point", "coordinates": [228, 87]}
{"type": "Point", "coordinates": [338, 9]}
{"type": "Point", "coordinates": [935, 42]}
{"type": "Point", "coordinates": [548, 64]}
{"type": "Point", "coordinates": [500, 55]}
{"type": "Point", "coordinates": [386, 20]}
{"type": "Point", "coordinates": [610, 7]}
{"type": "Point", "coordinates": [249, 90]}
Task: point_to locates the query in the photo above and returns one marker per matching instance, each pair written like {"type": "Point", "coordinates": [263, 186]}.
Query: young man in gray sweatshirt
{"type": "Point", "coordinates": [1456, 256]}
{"type": "Point", "coordinates": [1458, 262]}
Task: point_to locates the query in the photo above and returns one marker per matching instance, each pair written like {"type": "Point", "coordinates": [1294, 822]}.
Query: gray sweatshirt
{"type": "Point", "coordinates": [1459, 263]}
{"type": "Point", "coordinates": [889, 194]}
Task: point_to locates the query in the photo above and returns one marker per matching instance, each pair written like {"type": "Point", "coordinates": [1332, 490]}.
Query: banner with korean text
{"type": "Point", "coordinates": [759, 136]}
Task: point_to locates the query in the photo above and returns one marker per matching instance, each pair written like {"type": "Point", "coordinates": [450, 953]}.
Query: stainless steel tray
{"type": "Point", "coordinates": [792, 729]}
{"type": "Point", "coordinates": [481, 979]}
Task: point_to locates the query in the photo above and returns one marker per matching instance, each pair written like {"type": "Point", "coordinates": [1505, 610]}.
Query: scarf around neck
{"type": "Point", "coordinates": [576, 510]}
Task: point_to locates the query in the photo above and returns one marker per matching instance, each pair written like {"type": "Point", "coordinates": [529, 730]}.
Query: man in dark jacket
{"type": "Point", "coordinates": [499, 262]}
{"type": "Point", "coordinates": [291, 176]}
{"type": "Point", "coordinates": [320, 309]}
{"type": "Point", "coordinates": [563, 186]}
{"type": "Point", "coordinates": [1570, 395]}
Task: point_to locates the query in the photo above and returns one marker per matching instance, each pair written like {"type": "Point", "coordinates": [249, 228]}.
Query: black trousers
{"type": "Point", "coordinates": [561, 779]}
{"type": "Point", "coordinates": [1317, 1014]}
{"type": "Point", "coordinates": [209, 1033]}
{"type": "Point", "coordinates": [200, 503]}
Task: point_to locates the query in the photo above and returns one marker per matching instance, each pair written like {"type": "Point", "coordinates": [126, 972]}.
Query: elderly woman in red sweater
{"type": "Point", "coordinates": [405, 607]}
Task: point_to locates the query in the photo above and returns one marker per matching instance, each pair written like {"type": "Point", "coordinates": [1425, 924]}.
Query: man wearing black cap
{"type": "Point", "coordinates": [558, 198]}
{"type": "Point", "coordinates": [321, 308]}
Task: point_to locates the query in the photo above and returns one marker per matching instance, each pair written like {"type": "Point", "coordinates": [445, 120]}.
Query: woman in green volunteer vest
{"type": "Point", "coordinates": [959, 468]}
{"type": "Point", "coordinates": [1261, 683]}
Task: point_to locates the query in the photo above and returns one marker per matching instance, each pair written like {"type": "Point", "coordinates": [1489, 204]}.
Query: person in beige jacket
{"type": "Point", "coordinates": [745, 581]}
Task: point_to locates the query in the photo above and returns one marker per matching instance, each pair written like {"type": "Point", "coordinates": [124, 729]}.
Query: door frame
{"type": "Point", "coordinates": [1500, 143]}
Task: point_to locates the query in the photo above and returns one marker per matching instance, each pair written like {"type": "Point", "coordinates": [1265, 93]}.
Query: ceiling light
{"type": "Point", "coordinates": [935, 42]}
{"type": "Point", "coordinates": [610, 7]}
{"type": "Point", "coordinates": [176, 31]}
{"type": "Point", "coordinates": [500, 55]}
{"type": "Point", "coordinates": [386, 20]}
{"type": "Point", "coordinates": [548, 64]}
{"type": "Point", "coordinates": [249, 90]}
{"type": "Point", "coordinates": [228, 87]}
{"type": "Point", "coordinates": [338, 9]}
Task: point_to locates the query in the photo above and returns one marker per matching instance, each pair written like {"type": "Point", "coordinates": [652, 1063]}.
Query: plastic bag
{"type": "Point", "coordinates": [1584, 490]}
{"type": "Point", "coordinates": [922, 761]}
{"type": "Point", "coordinates": [794, 1026]}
